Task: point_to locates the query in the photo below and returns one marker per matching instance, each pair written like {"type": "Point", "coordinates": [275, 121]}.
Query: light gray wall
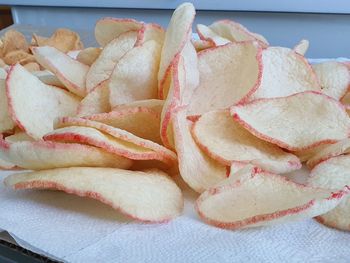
{"type": "Point", "coordinates": [329, 34]}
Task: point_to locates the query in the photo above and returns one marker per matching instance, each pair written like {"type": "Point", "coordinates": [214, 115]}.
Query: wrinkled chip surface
{"type": "Point", "coordinates": [296, 122]}
{"type": "Point", "coordinates": [149, 196]}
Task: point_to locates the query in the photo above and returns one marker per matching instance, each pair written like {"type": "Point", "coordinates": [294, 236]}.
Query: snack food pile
{"type": "Point", "coordinates": [152, 111]}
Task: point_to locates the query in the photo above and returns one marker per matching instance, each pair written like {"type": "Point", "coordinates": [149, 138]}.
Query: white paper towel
{"type": "Point", "coordinates": [74, 229]}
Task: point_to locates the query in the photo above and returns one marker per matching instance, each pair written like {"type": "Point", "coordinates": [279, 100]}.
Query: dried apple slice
{"type": "Point", "coordinates": [284, 73]}
{"type": "Point", "coordinates": [89, 55]}
{"type": "Point", "coordinates": [336, 149]}
{"type": "Point", "coordinates": [135, 75]}
{"type": "Point", "coordinates": [302, 47]}
{"type": "Point", "coordinates": [334, 78]}
{"type": "Point", "coordinates": [34, 105]}
{"type": "Point", "coordinates": [125, 137]}
{"type": "Point", "coordinates": [6, 122]}
{"type": "Point", "coordinates": [97, 101]}
{"type": "Point", "coordinates": [197, 169]}
{"type": "Point", "coordinates": [46, 155]}
{"type": "Point", "coordinates": [141, 121]}
{"type": "Point", "coordinates": [109, 28]}
{"type": "Point", "coordinates": [149, 196]}
{"type": "Point", "coordinates": [239, 67]}
{"type": "Point", "coordinates": [227, 141]}
{"type": "Point", "coordinates": [103, 66]}
{"type": "Point", "coordinates": [235, 32]}
{"type": "Point", "coordinates": [249, 200]}
{"type": "Point", "coordinates": [334, 174]}
{"type": "Point", "coordinates": [205, 33]}
{"type": "Point", "coordinates": [287, 121]}
{"type": "Point", "coordinates": [69, 71]}
{"type": "Point", "coordinates": [307, 154]}
{"type": "Point", "coordinates": [178, 33]}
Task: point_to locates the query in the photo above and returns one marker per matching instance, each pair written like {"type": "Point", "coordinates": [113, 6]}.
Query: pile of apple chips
{"type": "Point", "coordinates": [127, 123]}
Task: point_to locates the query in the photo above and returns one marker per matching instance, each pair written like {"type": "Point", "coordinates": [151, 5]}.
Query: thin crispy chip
{"type": "Point", "coordinates": [13, 40]}
{"type": "Point", "coordinates": [235, 32]}
{"type": "Point", "coordinates": [226, 141]}
{"type": "Point", "coordinates": [336, 149]}
{"type": "Point", "coordinates": [34, 105]}
{"type": "Point", "coordinates": [284, 72]}
{"type": "Point", "coordinates": [15, 56]}
{"type": "Point", "coordinates": [97, 101]}
{"type": "Point", "coordinates": [89, 55]}
{"type": "Point", "coordinates": [141, 121]}
{"type": "Point", "coordinates": [334, 174]}
{"type": "Point", "coordinates": [307, 154]}
{"type": "Point", "coordinates": [197, 169]}
{"type": "Point", "coordinates": [135, 75]}
{"type": "Point", "coordinates": [103, 67]}
{"type": "Point", "coordinates": [176, 37]}
{"type": "Point", "coordinates": [152, 104]}
{"type": "Point", "coordinates": [162, 153]}
{"type": "Point", "coordinates": [19, 136]}
{"type": "Point", "coordinates": [205, 33]}
{"type": "Point", "coordinates": [239, 67]}
{"type": "Point", "coordinates": [69, 71]}
{"type": "Point", "coordinates": [334, 78]}
{"type": "Point", "coordinates": [109, 28]}
{"type": "Point", "coordinates": [302, 47]}
{"type": "Point", "coordinates": [296, 122]}
{"type": "Point", "coordinates": [255, 198]}
{"type": "Point", "coordinates": [124, 190]}
{"type": "Point", "coordinates": [6, 122]}
{"type": "Point", "coordinates": [62, 39]}
{"type": "Point", "coordinates": [47, 155]}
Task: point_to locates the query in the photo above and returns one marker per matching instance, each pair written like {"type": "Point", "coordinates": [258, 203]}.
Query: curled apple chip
{"type": "Point", "coordinates": [205, 33]}
{"type": "Point", "coordinates": [151, 32]}
{"type": "Point", "coordinates": [69, 71]}
{"type": "Point", "coordinates": [109, 28]}
{"type": "Point", "coordinates": [235, 32]}
{"type": "Point", "coordinates": [334, 174]}
{"type": "Point", "coordinates": [48, 78]}
{"type": "Point", "coordinates": [18, 56]}
{"type": "Point", "coordinates": [301, 47]}
{"type": "Point", "coordinates": [256, 198]}
{"type": "Point", "coordinates": [286, 121]}
{"type": "Point", "coordinates": [135, 75]}
{"type": "Point", "coordinates": [141, 121]}
{"type": "Point", "coordinates": [96, 101]}
{"type": "Point", "coordinates": [46, 155]}
{"type": "Point", "coordinates": [13, 40]}
{"type": "Point", "coordinates": [89, 55]}
{"type": "Point", "coordinates": [334, 78]}
{"type": "Point", "coordinates": [6, 122]}
{"type": "Point", "coordinates": [284, 72]}
{"type": "Point", "coordinates": [34, 105]}
{"type": "Point", "coordinates": [239, 67]}
{"type": "Point", "coordinates": [63, 39]}
{"type": "Point", "coordinates": [177, 35]}
{"type": "Point", "coordinates": [149, 196]}
{"type": "Point", "coordinates": [119, 136]}
{"type": "Point", "coordinates": [329, 151]}
{"type": "Point", "coordinates": [226, 141]}
{"type": "Point", "coordinates": [201, 45]}
{"type": "Point", "coordinates": [103, 66]}
{"type": "Point", "coordinates": [197, 169]}
{"type": "Point", "coordinates": [307, 154]}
